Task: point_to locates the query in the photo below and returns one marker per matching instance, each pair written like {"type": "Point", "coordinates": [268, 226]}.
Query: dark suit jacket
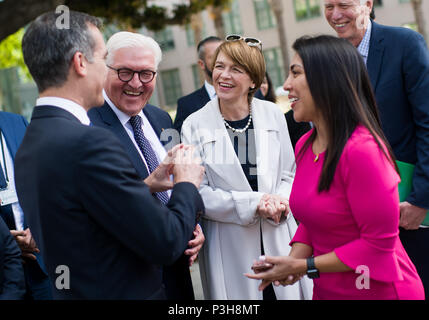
{"type": "Point", "coordinates": [90, 211]}
{"type": "Point", "coordinates": [296, 129]}
{"type": "Point", "coordinates": [12, 285]}
{"type": "Point", "coordinates": [189, 104]}
{"type": "Point", "coordinates": [13, 127]}
{"type": "Point", "coordinates": [177, 278]}
{"type": "Point", "coordinates": [398, 65]}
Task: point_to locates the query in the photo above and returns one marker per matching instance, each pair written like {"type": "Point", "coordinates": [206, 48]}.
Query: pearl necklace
{"type": "Point", "coordinates": [234, 130]}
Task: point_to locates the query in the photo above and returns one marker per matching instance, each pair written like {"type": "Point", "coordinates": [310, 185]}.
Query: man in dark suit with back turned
{"type": "Point", "coordinates": [126, 95]}
{"type": "Point", "coordinates": [398, 65]}
{"type": "Point", "coordinates": [198, 99]}
{"type": "Point", "coordinates": [97, 224]}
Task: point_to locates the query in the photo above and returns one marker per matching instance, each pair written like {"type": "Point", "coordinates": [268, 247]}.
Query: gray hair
{"type": "Point", "coordinates": [49, 50]}
{"type": "Point", "coordinates": [125, 39]}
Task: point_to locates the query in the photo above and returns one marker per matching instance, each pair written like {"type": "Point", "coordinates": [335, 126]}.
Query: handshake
{"type": "Point", "coordinates": [179, 162]}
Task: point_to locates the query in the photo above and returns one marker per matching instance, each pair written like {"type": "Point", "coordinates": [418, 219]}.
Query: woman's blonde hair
{"type": "Point", "coordinates": [248, 57]}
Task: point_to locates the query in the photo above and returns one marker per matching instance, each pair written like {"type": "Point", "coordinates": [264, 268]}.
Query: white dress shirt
{"type": "Point", "coordinates": [210, 90]}
{"type": "Point", "coordinates": [363, 47]}
{"type": "Point", "coordinates": [75, 109]}
{"type": "Point", "coordinates": [18, 214]}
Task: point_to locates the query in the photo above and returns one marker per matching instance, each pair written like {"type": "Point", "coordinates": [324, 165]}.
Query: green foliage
{"type": "Point", "coordinates": [138, 13]}
{"type": "Point", "coordinates": [11, 53]}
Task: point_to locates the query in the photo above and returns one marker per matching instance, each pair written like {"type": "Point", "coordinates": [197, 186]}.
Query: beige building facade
{"type": "Point", "coordinates": [178, 74]}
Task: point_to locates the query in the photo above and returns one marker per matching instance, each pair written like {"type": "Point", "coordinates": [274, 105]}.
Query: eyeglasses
{"type": "Point", "coordinates": [125, 74]}
{"type": "Point", "coordinates": [252, 42]}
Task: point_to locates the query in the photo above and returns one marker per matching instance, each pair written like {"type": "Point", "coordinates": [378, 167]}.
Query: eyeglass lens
{"type": "Point", "coordinates": [144, 75]}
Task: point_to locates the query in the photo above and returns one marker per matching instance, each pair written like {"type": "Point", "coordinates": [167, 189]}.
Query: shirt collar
{"type": "Point", "coordinates": [363, 47]}
{"type": "Point", "coordinates": [210, 89]}
{"type": "Point", "coordinates": [123, 117]}
{"type": "Point", "coordinates": [75, 109]}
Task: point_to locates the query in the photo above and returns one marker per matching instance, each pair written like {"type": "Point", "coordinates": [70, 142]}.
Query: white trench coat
{"type": "Point", "coordinates": [230, 224]}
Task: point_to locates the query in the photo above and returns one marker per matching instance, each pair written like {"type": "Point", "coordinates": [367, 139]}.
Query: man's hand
{"type": "Point", "coordinates": [411, 216]}
{"type": "Point", "coordinates": [26, 243]}
{"type": "Point", "coordinates": [159, 180]}
{"type": "Point", "coordinates": [273, 207]}
{"type": "Point", "coordinates": [195, 244]}
{"type": "Point", "coordinates": [187, 167]}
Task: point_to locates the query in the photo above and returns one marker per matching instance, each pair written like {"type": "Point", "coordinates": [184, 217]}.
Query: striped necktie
{"type": "Point", "coordinates": [148, 153]}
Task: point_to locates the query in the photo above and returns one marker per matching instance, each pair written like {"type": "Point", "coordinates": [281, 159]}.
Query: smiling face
{"type": "Point", "coordinates": [348, 18]}
{"type": "Point", "coordinates": [302, 103]}
{"type": "Point", "coordinates": [230, 80]}
{"type": "Point", "coordinates": [130, 97]}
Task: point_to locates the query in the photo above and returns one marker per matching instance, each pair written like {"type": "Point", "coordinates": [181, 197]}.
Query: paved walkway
{"type": "Point", "coordinates": [196, 281]}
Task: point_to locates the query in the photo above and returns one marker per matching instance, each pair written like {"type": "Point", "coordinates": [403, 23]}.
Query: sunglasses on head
{"type": "Point", "coordinates": [252, 42]}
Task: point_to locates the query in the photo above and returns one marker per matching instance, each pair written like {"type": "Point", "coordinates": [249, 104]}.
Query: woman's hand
{"type": "Point", "coordinates": [285, 271]}
{"type": "Point", "coordinates": [273, 207]}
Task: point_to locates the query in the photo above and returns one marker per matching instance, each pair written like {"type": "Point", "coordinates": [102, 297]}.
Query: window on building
{"type": "Point", "coordinates": [172, 86]}
{"type": "Point", "coordinates": [190, 36]}
{"type": "Point", "coordinates": [305, 9]}
{"type": "Point", "coordinates": [232, 20]}
{"type": "Point", "coordinates": [165, 39]}
{"type": "Point", "coordinates": [196, 75]}
{"type": "Point", "coordinates": [264, 16]}
{"type": "Point", "coordinates": [274, 63]}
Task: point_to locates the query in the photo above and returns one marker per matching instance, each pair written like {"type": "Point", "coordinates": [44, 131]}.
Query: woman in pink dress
{"type": "Point", "coordinates": [345, 192]}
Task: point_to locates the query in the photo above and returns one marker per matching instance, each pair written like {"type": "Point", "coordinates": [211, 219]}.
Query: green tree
{"type": "Point", "coordinates": [127, 13]}
{"type": "Point", "coordinates": [11, 54]}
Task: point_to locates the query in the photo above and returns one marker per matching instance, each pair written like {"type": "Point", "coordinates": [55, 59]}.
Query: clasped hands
{"type": "Point", "coordinates": [185, 167]}
{"type": "Point", "coordinates": [273, 207]}
{"type": "Point", "coordinates": [26, 243]}
{"type": "Point", "coordinates": [284, 271]}
{"type": "Point", "coordinates": [179, 162]}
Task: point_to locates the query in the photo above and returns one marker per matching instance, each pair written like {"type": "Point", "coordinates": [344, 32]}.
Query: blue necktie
{"type": "Point", "coordinates": [148, 153]}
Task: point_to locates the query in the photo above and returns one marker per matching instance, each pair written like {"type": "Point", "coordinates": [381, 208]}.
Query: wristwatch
{"type": "Point", "coordinates": [312, 271]}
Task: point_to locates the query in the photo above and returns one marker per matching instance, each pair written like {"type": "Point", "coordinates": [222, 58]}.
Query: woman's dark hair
{"type": "Point", "coordinates": [341, 89]}
{"type": "Point", "coordinates": [270, 96]}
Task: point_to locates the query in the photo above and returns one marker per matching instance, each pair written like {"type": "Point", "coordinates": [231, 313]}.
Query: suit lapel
{"type": "Point", "coordinates": [204, 96]}
{"type": "Point", "coordinates": [219, 152]}
{"type": "Point", "coordinates": [267, 149]}
{"type": "Point", "coordinates": [157, 127]}
{"type": "Point", "coordinates": [375, 55]}
{"type": "Point", "coordinates": [113, 124]}
{"type": "Point", "coordinates": [9, 136]}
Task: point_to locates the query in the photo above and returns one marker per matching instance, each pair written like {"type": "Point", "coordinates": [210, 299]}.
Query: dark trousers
{"type": "Point", "coordinates": [37, 282]}
{"type": "Point", "coordinates": [416, 244]}
{"type": "Point", "coordinates": [177, 280]}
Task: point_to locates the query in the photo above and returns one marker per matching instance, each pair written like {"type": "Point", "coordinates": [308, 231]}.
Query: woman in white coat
{"type": "Point", "coordinates": [249, 162]}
